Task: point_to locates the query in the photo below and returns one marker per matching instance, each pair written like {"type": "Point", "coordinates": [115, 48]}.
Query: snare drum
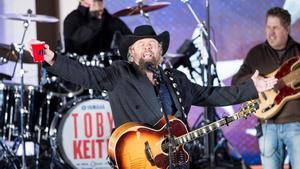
{"type": "Point", "coordinates": [80, 131]}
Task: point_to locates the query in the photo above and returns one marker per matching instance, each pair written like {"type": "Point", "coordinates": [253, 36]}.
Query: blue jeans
{"type": "Point", "coordinates": [277, 137]}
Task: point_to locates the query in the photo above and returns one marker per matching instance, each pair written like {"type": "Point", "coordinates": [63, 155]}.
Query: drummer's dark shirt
{"type": "Point", "coordinates": [84, 35]}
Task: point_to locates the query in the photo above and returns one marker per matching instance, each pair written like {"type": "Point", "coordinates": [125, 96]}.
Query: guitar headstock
{"type": "Point", "coordinates": [249, 108]}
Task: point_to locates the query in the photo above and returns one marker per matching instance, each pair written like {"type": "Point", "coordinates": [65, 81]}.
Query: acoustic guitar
{"type": "Point", "coordinates": [287, 88]}
{"type": "Point", "coordinates": [134, 145]}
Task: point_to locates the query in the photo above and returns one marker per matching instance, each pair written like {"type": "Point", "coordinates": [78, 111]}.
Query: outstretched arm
{"type": "Point", "coordinates": [73, 71]}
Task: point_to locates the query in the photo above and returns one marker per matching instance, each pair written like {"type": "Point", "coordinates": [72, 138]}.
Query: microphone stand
{"type": "Point", "coordinates": [20, 47]}
{"type": "Point", "coordinates": [142, 12]}
{"type": "Point", "coordinates": [157, 78]}
{"type": "Point", "coordinates": [209, 114]}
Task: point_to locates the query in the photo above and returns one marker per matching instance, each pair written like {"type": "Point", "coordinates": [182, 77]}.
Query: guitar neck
{"type": "Point", "coordinates": [215, 125]}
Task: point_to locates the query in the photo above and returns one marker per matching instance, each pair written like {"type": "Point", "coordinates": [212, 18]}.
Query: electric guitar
{"type": "Point", "coordinates": [287, 88]}
{"type": "Point", "coordinates": [134, 145]}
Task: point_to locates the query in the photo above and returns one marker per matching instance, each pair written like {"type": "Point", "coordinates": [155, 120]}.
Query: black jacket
{"type": "Point", "coordinates": [132, 96]}
{"type": "Point", "coordinates": [86, 36]}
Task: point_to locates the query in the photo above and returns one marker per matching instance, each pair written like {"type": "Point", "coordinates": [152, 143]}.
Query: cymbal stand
{"type": "Point", "coordinates": [200, 24]}
{"type": "Point", "coordinates": [20, 49]}
{"type": "Point", "coordinates": [144, 14]}
{"type": "Point", "coordinates": [209, 113]}
{"type": "Point", "coordinates": [8, 156]}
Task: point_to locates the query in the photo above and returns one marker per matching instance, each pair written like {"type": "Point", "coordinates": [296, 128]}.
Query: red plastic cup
{"type": "Point", "coordinates": [38, 51]}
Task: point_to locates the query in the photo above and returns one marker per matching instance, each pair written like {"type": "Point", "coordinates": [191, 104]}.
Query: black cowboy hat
{"type": "Point", "coordinates": [141, 32]}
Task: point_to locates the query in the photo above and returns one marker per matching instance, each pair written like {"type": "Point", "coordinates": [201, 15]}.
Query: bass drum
{"type": "Point", "coordinates": [79, 134]}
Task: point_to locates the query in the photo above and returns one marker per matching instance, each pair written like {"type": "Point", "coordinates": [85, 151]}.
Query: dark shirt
{"type": "Point", "coordinates": [265, 59]}
{"type": "Point", "coordinates": [165, 97]}
{"type": "Point", "coordinates": [87, 36]}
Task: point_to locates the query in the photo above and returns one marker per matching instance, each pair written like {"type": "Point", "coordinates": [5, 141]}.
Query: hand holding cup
{"type": "Point", "coordinates": [40, 51]}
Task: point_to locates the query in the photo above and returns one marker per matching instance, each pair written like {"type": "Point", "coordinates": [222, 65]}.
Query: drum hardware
{"type": "Point", "coordinates": [8, 55]}
{"type": "Point", "coordinates": [30, 18]}
{"type": "Point", "coordinates": [29, 127]}
{"type": "Point", "coordinates": [58, 87]}
{"type": "Point", "coordinates": [39, 129]}
{"type": "Point", "coordinates": [4, 111]}
{"type": "Point", "coordinates": [9, 105]}
{"type": "Point", "coordinates": [42, 127]}
{"type": "Point", "coordinates": [7, 156]}
{"type": "Point", "coordinates": [3, 60]}
{"type": "Point", "coordinates": [26, 18]}
{"type": "Point", "coordinates": [208, 74]}
{"type": "Point", "coordinates": [21, 47]}
{"type": "Point", "coordinates": [129, 11]}
{"type": "Point", "coordinates": [200, 24]}
{"type": "Point", "coordinates": [22, 103]}
{"type": "Point", "coordinates": [46, 129]}
{"type": "Point", "coordinates": [101, 59]}
{"type": "Point", "coordinates": [91, 92]}
{"type": "Point", "coordinates": [10, 129]}
{"type": "Point", "coordinates": [38, 139]}
{"type": "Point", "coordinates": [141, 9]}
{"type": "Point", "coordinates": [8, 52]}
{"type": "Point", "coordinates": [143, 13]}
{"type": "Point", "coordinates": [4, 76]}
{"type": "Point", "coordinates": [14, 117]}
{"type": "Point", "coordinates": [95, 93]}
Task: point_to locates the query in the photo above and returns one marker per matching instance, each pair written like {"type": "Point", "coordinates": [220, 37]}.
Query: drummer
{"type": "Point", "coordinates": [90, 29]}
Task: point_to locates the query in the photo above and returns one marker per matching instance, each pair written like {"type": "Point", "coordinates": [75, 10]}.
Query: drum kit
{"type": "Point", "coordinates": [54, 119]}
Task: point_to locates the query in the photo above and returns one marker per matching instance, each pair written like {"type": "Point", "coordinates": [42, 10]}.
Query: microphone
{"type": "Point", "coordinates": [156, 74]}
{"type": "Point", "coordinates": [150, 67]}
{"type": "Point", "coordinates": [115, 40]}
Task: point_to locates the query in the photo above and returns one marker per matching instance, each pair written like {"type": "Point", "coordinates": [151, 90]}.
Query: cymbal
{"type": "Point", "coordinates": [4, 76]}
{"type": "Point", "coordinates": [146, 8]}
{"type": "Point", "coordinates": [32, 18]}
{"type": "Point", "coordinates": [7, 52]}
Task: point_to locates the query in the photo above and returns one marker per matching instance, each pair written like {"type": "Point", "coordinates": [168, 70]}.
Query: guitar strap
{"type": "Point", "coordinates": [175, 95]}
